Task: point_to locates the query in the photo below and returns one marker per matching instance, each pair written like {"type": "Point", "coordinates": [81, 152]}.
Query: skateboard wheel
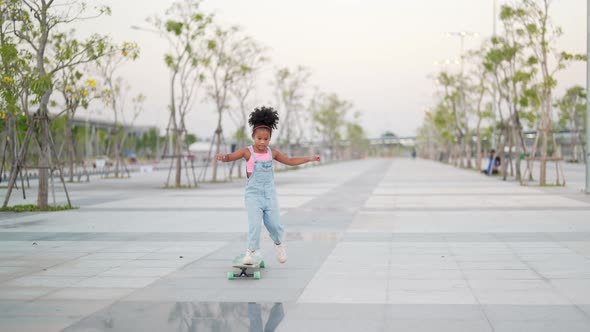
{"type": "Point", "coordinates": [230, 276]}
{"type": "Point", "coordinates": [257, 275]}
{"type": "Point", "coordinates": [262, 264]}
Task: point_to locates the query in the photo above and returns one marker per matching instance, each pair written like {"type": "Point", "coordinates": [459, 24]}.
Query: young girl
{"type": "Point", "coordinates": [261, 196]}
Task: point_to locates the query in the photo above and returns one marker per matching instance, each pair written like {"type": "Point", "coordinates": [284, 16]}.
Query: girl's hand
{"type": "Point", "coordinates": [315, 158]}
{"type": "Point", "coordinates": [220, 157]}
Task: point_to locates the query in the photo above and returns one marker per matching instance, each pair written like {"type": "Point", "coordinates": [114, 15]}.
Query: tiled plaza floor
{"type": "Point", "coordinates": [373, 245]}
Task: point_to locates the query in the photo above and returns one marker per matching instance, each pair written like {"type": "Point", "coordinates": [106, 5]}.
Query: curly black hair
{"type": "Point", "coordinates": [264, 116]}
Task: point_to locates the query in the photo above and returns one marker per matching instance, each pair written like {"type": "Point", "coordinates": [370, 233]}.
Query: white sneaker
{"type": "Point", "coordinates": [249, 257]}
{"type": "Point", "coordinates": [281, 253]}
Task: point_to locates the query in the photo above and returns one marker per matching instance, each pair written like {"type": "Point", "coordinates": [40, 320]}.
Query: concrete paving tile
{"type": "Point", "coordinates": [331, 311]}
{"type": "Point", "coordinates": [11, 269]}
{"type": "Point", "coordinates": [114, 255]}
{"type": "Point", "coordinates": [484, 257]}
{"type": "Point", "coordinates": [172, 256]}
{"type": "Point", "coordinates": [66, 271]}
{"type": "Point", "coordinates": [493, 265]}
{"type": "Point", "coordinates": [426, 274]}
{"type": "Point", "coordinates": [166, 294]}
{"type": "Point", "coordinates": [24, 293]}
{"type": "Point", "coordinates": [338, 295]}
{"type": "Point", "coordinates": [501, 274]}
{"type": "Point", "coordinates": [509, 284]}
{"type": "Point", "coordinates": [137, 272]}
{"type": "Point", "coordinates": [512, 326]}
{"type": "Point", "coordinates": [220, 281]}
{"type": "Point", "coordinates": [8, 305]}
{"type": "Point", "coordinates": [263, 295]}
{"type": "Point", "coordinates": [440, 312]}
{"type": "Point", "coordinates": [28, 262]}
{"type": "Point", "coordinates": [432, 325]}
{"type": "Point", "coordinates": [114, 282]}
{"type": "Point", "coordinates": [153, 263]}
{"type": "Point", "coordinates": [101, 263]}
{"type": "Point", "coordinates": [78, 293]}
{"type": "Point", "coordinates": [533, 313]}
{"type": "Point", "coordinates": [564, 273]}
{"type": "Point", "coordinates": [426, 285]}
{"type": "Point", "coordinates": [523, 297]}
{"type": "Point", "coordinates": [585, 308]}
{"type": "Point", "coordinates": [43, 281]}
{"type": "Point", "coordinates": [289, 325]}
{"type": "Point", "coordinates": [347, 283]}
{"type": "Point", "coordinates": [35, 323]}
{"type": "Point", "coordinates": [577, 290]}
{"type": "Point", "coordinates": [55, 308]}
{"type": "Point", "coordinates": [459, 296]}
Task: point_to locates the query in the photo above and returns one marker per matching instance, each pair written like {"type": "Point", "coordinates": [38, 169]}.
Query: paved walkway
{"type": "Point", "coordinates": [374, 245]}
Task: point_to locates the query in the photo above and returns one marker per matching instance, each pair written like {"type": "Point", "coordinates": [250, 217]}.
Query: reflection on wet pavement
{"type": "Point", "coordinates": [184, 317]}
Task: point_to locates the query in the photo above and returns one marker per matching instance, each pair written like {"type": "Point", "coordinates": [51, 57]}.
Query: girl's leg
{"type": "Point", "coordinates": [254, 223]}
{"type": "Point", "coordinates": [272, 221]}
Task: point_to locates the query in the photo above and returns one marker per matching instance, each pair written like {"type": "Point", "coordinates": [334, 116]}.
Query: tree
{"type": "Point", "coordinates": [355, 135]}
{"type": "Point", "coordinates": [290, 86]}
{"type": "Point", "coordinates": [328, 113]}
{"type": "Point", "coordinates": [15, 77]}
{"type": "Point", "coordinates": [114, 93]}
{"type": "Point", "coordinates": [34, 24]}
{"type": "Point", "coordinates": [184, 26]}
{"type": "Point", "coordinates": [505, 61]}
{"type": "Point", "coordinates": [75, 92]}
{"type": "Point", "coordinates": [453, 97]}
{"type": "Point", "coordinates": [572, 116]}
{"type": "Point", "coordinates": [223, 69]}
{"type": "Point", "coordinates": [540, 36]}
{"type": "Point", "coordinates": [251, 57]}
{"type": "Point", "coordinates": [477, 91]}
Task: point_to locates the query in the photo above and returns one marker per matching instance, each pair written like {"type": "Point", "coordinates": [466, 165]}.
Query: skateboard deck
{"type": "Point", "coordinates": [257, 263]}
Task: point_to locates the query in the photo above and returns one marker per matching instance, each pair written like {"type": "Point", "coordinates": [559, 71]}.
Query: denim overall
{"type": "Point", "coordinates": [262, 204]}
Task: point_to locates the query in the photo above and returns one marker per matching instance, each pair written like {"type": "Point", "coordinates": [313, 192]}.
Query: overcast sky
{"type": "Point", "coordinates": [376, 54]}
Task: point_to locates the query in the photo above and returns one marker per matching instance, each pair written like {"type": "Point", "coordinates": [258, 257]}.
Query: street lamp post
{"type": "Point", "coordinates": [495, 14]}
{"type": "Point", "coordinates": [168, 134]}
{"type": "Point", "coordinates": [462, 35]}
{"type": "Point", "coordinates": [588, 98]}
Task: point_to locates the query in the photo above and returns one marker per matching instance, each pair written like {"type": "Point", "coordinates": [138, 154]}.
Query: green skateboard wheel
{"type": "Point", "coordinates": [262, 264]}
{"type": "Point", "coordinates": [230, 276]}
{"type": "Point", "coordinates": [257, 275]}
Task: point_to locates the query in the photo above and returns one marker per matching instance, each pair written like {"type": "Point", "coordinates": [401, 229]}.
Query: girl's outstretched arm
{"type": "Point", "coordinates": [278, 156]}
{"type": "Point", "coordinates": [239, 154]}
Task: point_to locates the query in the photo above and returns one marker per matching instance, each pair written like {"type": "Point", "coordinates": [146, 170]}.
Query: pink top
{"type": "Point", "coordinates": [260, 156]}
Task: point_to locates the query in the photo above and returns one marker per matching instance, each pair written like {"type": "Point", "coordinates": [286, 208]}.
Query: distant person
{"type": "Point", "coordinates": [261, 196]}
{"type": "Point", "coordinates": [413, 153]}
{"type": "Point", "coordinates": [493, 164]}
{"type": "Point", "coordinates": [496, 166]}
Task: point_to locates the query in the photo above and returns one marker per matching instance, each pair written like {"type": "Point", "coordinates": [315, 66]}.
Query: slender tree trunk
{"type": "Point", "coordinates": [218, 135]}
{"type": "Point", "coordinates": [178, 153]}
{"type": "Point", "coordinates": [70, 145]}
{"type": "Point", "coordinates": [478, 146]}
{"type": "Point", "coordinates": [505, 141]}
{"type": "Point", "coordinates": [115, 142]}
{"type": "Point", "coordinates": [175, 135]}
{"type": "Point", "coordinates": [582, 145]}
{"type": "Point", "coordinates": [515, 139]}
{"type": "Point", "coordinates": [44, 153]}
{"type": "Point", "coordinates": [19, 156]}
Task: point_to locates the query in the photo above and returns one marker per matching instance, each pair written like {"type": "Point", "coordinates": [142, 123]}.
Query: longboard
{"type": "Point", "coordinates": [257, 263]}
